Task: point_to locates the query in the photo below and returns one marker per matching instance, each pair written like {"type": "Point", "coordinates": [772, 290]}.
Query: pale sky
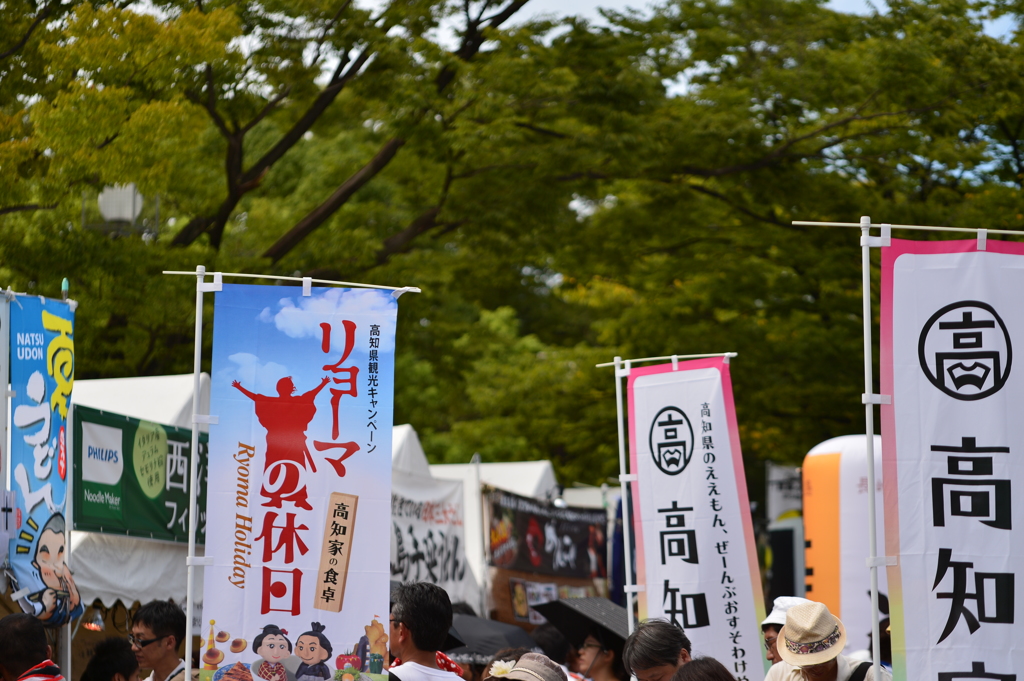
{"type": "Point", "coordinates": [588, 8]}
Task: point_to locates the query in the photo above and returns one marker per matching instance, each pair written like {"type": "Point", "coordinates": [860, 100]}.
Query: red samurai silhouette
{"type": "Point", "coordinates": [286, 418]}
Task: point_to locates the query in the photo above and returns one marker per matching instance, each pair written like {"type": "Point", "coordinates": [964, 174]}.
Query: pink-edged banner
{"type": "Point", "coordinates": [695, 552]}
{"type": "Point", "coordinates": [952, 444]}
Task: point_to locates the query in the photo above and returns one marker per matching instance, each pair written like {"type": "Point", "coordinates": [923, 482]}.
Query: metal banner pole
{"type": "Point", "coordinates": [622, 371]}
{"type": "Point", "coordinates": [69, 525]}
{"type": "Point", "coordinates": [193, 490]}
{"type": "Point", "coordinates": [870, 400]}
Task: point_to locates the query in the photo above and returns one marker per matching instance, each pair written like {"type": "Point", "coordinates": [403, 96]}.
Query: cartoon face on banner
{"type": "Point", "coordinates": [42, 375]}
{"type": "Point", "coordinates": [965, 350]}
{"type": "Point", "coordinates": [299, 478]}
{"type": "Point", "coordinates": [671, 440]}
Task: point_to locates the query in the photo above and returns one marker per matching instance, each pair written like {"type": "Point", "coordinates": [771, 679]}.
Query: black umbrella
{"type": "Point", "coordinates": [577, 617]}
{"type": "Point", "coordinates": [453, 639]}
{"type": "Point", "coordinates": [486, 637]}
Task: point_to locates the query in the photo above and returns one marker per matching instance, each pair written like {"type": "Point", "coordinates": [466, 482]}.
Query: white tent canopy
{"type": "Point", "coordinates": [160, 399]}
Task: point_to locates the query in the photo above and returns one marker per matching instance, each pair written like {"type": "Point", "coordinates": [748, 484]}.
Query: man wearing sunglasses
{"type": "Point", "coordinates": [158, 629]}
{"type": "Point", "coordinates": [772, 625]}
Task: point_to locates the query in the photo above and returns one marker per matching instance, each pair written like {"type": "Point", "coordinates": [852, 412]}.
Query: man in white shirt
{"type": "Point", "coordinates": [810, 645]}
{"type": "Point", "coordinates": [421, 615]}
{"type": "Point", "coordinates": [158, 628]}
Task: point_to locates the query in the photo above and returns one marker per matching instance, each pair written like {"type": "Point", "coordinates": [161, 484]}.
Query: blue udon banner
{"type": "Point", "coordinates": [299, 494]}
{"type": "Point", "coordinates": [42, 374]}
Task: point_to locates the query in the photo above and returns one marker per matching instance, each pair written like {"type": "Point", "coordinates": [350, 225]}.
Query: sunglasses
{"type": "Point", "coordinates": [142, 643]}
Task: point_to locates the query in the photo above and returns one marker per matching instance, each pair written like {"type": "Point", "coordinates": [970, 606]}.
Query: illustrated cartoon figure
{"type": "Point", "coordinates": [377, 638]}
{"type": "Point", "coordinates": [58, 601]}
{"type": "Point", "coordinates": [313, 649]}
{"type": "Point", "coordinates": [285, 418]}
{"type": "Point", "coordinates": [273, 646]}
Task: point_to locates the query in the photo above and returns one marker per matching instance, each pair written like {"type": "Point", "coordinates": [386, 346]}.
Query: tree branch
{"type": "Point", "coordinates": [40, 18]}
{"type": "Point", "coordinates": [342, 194]}
{"type": "Point", "coordinates": [735, 206]}
{"type": "Point", "coordinates": [26, 207]}
{"type": "Point", "coordinates": [247, 180]}
{"type": "Point", "coordinates": [398, 243]}
{"type": "Point", "coordinates": [472, 40]}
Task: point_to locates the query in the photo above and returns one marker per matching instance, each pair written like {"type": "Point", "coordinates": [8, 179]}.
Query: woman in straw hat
{"type": "Point", "coordinates": [810, 645]}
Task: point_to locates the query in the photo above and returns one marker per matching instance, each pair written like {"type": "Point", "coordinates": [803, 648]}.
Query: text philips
{"type": "Point", "coordinates": [100, 454]}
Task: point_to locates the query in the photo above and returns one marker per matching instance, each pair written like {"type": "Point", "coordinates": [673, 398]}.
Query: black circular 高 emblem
{"type": "Point", "coordinates": [964, 350]}
{"type": "Point", "coordinates": [671, 440]}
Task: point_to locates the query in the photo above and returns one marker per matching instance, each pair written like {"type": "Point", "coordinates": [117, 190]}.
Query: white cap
{"type": "Point", "coordinates": [782, 605]}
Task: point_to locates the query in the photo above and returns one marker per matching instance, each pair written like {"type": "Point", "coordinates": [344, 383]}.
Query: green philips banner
{"type": "Point", "coordinates": [131, 477]}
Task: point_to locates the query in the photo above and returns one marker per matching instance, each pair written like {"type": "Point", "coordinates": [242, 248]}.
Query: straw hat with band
{"type": "Point", "coordinates": [812, 635]}
{"type": "Point", "coordinates": [535, 667]}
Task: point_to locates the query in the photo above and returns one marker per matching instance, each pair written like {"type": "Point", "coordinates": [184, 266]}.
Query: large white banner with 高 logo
{"type": "Point", "coordinates": [953, 445]}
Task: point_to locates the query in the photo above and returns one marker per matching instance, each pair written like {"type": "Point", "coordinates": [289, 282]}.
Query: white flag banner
{"type": "Point", "coordinates": [695, 550]}
{"type": "Point", "coordinates": [299, 484]}
{"type": "Point", "coordinates": [953, 440]}
{"type": "Point", "coordinates": [428, 536]}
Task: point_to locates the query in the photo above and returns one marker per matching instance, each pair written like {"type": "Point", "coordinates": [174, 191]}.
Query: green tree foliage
{"type": "Point", "coordinates": [562, 192]}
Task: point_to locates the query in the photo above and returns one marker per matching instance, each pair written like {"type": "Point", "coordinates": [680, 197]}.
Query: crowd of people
{"type": "Point", "coordinates": [802, 639]}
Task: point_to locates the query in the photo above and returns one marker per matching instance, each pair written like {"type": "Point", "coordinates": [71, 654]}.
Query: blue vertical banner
{"type": "Point", "coordinates": [299, 496]}
{"type": "Point", "coordinates": [42, 344]}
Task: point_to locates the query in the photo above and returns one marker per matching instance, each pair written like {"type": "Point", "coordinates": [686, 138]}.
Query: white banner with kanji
{"type": "Point", "coordinates": [299, 486]}
{"type": "Point", "coordinates": [953, 444]}
{"type": "Point", "coordinates": [428, 539]}
{"type": "Point", "coordinates": [696, 557]}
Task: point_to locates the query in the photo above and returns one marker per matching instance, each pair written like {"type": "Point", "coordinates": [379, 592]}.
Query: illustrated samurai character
{"type": "Point", "coordinates": [286, 418]}
{"type": "Point", "coordinates": [314, 650]}
{"type": "Point", "coordinates": [58, 601]}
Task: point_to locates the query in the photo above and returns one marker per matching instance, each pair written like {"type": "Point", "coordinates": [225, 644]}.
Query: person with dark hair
{"type": "Point", "coordinates": [112, 660]}
{"type": "Point", "coordinates": [421, 615]}
{"type": "Point", "coordinates": [506, 659]}
{"type": "Point", "coordinates": [273, 646]}
{"type": "Point", "coordinates": [655, 650]}
{"type": "Point", "coordinates": [24, 653]}
{"type": "Point", "coordinates": [601, 657]}
{"type": "Point", "coordinates": [314, 650]}
{"type": "Point", "coordinates": [158, 629]}
{"type": "Point", "coordinates": [551, 641]}
{"type": "Point", "coordinates": [703, 669]}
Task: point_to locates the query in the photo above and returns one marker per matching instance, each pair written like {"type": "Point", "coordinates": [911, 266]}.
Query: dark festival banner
{"type": "Point", "coordinates": [299, 498]}
{"type": "Point", "coordinates": [42, 374]}
{"type": "Point", "coordinates": [131, 476]}
{"type": "Point", "coordinates": [952, 440]}
{"type": "Point", "coordinates": [534, 536]}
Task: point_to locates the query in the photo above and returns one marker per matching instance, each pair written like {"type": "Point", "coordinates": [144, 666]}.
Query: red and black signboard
{"type": "Point", "coordinates": [534, 536]}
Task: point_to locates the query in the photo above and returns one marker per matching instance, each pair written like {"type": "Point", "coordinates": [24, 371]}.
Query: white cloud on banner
{"type": "Point", "coordinates": [253, 374]}
{"type": "Point", "coordinates": [300, 317]}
